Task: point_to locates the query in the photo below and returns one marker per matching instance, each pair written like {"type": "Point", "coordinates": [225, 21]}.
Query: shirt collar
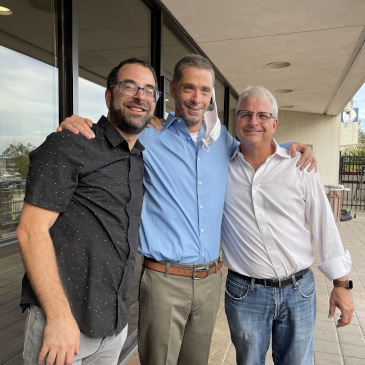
{"type": "Point", "coordinates": [211, 121]}
{"type": "Point", "coordinates": [114, 137]}
{"type": "Point", "coordinates": [283, 152]}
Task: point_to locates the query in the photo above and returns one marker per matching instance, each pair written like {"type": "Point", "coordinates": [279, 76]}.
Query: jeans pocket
{"type": "Point", "coordinates": [237, 291]}
{"type": "Point", "coordinates": [306, 286]}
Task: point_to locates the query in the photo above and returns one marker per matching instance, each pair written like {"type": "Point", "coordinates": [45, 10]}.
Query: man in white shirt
{"type": "Point", "coordinates": [267, 243]}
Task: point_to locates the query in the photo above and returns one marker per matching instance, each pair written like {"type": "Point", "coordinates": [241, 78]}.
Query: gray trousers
{"type": "Point", "coordinates": [96, 351]}
{"type": "Point", "coordinates": [176, 318]}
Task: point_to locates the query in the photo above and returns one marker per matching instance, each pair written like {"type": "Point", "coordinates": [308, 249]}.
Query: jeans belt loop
{"type": "Point", "coordinates": [167, 269]}
{"type": "Point", "coordinates": [295, 283]}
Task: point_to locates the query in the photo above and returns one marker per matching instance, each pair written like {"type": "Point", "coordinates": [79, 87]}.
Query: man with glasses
{"type": "Point", "coordinates": [267, 246]}
{"type": "Point", "coordinates": [186, 171]}
{"type": "Point", "coordinates": [78, 231]}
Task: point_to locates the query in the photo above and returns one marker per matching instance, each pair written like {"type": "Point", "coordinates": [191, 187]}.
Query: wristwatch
{"type": "Point", "coordinates": [343, 283]}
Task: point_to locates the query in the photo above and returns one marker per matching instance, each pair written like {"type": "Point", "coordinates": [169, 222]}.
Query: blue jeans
{"type": "Point", "coordinates": [256, 312]}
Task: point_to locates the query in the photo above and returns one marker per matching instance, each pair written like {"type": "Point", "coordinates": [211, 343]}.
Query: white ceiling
{"type": "Point", "coordinates": [322, 39]}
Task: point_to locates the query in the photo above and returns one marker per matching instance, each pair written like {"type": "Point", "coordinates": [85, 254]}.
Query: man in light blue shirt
{"type": "Point", "coordinates": [185, 181]}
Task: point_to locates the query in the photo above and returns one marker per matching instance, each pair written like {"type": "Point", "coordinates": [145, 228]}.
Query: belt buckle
{"type": "Point", "coordinates": [201, 269]}
{"type": "Point", "coordinates": [270, 286]}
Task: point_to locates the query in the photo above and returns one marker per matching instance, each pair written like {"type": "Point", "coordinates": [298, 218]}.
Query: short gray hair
{"type": "Point", "coordinates": [192, 60]}
{"type": "Point", "coordinates": [258, 92]}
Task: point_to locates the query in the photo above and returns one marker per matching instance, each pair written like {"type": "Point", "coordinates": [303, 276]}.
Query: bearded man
{"type": "Point", "coordinates": [78, 231]}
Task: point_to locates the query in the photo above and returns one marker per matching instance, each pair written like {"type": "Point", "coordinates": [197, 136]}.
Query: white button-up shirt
{"type": "Point", "coordinates": [271, 216]}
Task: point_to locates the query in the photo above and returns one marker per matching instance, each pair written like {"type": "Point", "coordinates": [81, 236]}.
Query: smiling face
{"type": "Point", "coordinates": [192, 95]}
{"type": "Point", "coordinates": [130, 114]}
{"type": "Point", "coordinates": [252, 132]}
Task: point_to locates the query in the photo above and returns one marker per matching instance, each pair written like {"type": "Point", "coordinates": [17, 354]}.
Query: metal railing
{"type": "Point", "coordinates": [351, 175]}
{"type": "Point", "coordinates": [11, 203]}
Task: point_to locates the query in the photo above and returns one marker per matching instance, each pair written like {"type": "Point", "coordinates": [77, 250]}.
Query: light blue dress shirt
{"type": "Point", "coordinates": [184, 195]}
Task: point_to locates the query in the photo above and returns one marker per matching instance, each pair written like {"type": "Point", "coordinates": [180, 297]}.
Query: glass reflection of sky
{"type": "Point", "coordinates": [29, 99]}
{"type": "Point", "coordinates": [359, 102]}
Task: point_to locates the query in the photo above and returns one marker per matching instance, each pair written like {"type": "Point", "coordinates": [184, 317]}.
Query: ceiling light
{"type": "Point", "coordinates": [286, 106]}
{"type": "Point", "coordinates": [281, 64]}
{"type": "Point", "coordinates": [284, 91]}
{"type": "Point", "coordinates": [167, 99]}
{"type": "Point", "coordinates": [5, 11]}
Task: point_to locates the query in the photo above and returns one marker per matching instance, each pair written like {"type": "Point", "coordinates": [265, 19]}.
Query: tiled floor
{"type": "Point", "coordinates": [343, 346]}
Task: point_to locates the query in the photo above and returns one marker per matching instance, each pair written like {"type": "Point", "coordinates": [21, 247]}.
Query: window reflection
{"type": "Point", "coordinates": [28, 98]}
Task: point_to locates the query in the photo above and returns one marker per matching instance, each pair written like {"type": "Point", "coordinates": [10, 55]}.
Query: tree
{"type": "Point", "coordinates": [23, 166]}
{"type": "Point", "coordinates": [19, 157]}
{"type": "Point", "coordinates": [17, 151]}
{"type": "Point", "coordinates": [356, 151]}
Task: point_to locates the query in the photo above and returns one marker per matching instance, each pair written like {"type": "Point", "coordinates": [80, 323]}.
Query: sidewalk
{"type": "Point", "coordinates": [343, 346]}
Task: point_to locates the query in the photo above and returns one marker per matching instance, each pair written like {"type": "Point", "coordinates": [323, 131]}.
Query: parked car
{"type": "Point", "coordinates": [8, 174]}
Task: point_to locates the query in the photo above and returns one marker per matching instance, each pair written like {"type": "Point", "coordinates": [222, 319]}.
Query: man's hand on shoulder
{"type": "Point", "coordinates": [76, 125]}
{"type": "Point", "coordinates": [307, 156]}
{"type": "Point", "coordinates": [61, 341]}
{"type": "Point", "coordinates": [156, 123]}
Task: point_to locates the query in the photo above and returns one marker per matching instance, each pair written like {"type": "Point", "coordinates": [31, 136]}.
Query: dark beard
{"type": "Point", "coordinates": [125, 123]}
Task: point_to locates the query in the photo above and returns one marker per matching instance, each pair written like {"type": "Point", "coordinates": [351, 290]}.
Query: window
{"type": "Point", "coordinates": [28, 97]}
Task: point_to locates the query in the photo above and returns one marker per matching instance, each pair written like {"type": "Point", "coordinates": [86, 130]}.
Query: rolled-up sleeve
{"type": "Point", "coordinates": [335, 261]}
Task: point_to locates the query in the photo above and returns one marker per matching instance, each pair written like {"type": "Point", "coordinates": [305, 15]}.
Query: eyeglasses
{"type": "Point", "coordinates": [262, 117]}
{"type": "Point", "coordinates": [129, 89]}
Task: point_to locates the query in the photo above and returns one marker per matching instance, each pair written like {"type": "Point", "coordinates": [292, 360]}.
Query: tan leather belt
{"type": "Point", "coordinates": [198, 273]}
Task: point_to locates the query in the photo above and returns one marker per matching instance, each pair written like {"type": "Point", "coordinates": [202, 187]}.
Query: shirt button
{"type": "Point", "coordinates": [278, 268]}
{"type": "Point", "coordinates": [201, 207]}
{"type": "Point", "coordinates": [263, 228]}
{"type": "Point", "coordinates": [256, 188]}
{"type": "Point", "coordinates": [202, 230]}
{"type": "Point", "coordinates": [198, 158]}
{"type": "Point", "coordinates": [189, 138]}
{"type": "Point", "coordinates": [257, 208]}
{"type": "Point", "coordinates": [203, 254]}
{"type": "Point", "coordinates": [200, 182]}
{"type": "Point", "coordinates": [270, 248]}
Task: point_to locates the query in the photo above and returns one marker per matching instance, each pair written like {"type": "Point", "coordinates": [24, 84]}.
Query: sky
{"type": "Point", "coordinates": [359, 102]}
{"type": "Point", "coordinates": [29, 99]}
